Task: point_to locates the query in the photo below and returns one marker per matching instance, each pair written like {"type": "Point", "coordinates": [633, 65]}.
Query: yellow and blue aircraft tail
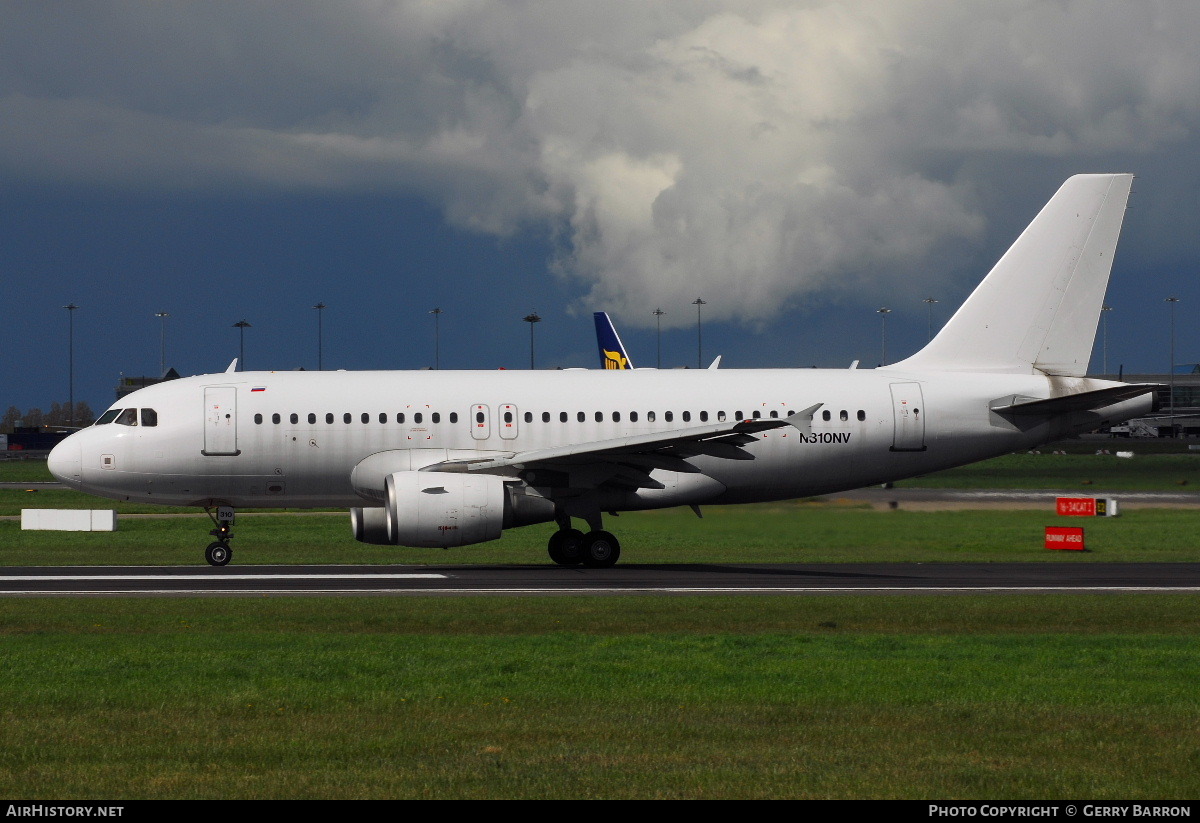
{"type": "Point", "coordinates": [612, 351]}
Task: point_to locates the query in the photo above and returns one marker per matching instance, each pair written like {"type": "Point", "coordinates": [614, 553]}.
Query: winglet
{"type": "Point", "coordinates": [716, 364]}
{"type": "Point", "coordinates": [802, 420]}
{"type": "Point", "coordinates": [232, 367]}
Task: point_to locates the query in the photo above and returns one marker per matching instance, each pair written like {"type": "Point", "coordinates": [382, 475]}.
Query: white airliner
{"type": "Point", "coordinates": [443, 459]}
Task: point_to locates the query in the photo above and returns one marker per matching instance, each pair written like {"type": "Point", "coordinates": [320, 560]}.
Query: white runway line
{"type": "Point", "coordinates": [211, 577]}
{"type": "Point", "coordinates": [636, 590]}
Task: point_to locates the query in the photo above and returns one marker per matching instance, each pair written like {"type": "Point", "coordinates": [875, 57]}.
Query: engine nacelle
{"type": "Point", "coordinates": [447, 509]}
{"type": "Point", "coordinates": [440, 509]}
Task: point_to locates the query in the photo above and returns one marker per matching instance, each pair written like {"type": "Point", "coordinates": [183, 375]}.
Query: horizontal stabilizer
{"type": "Point", "coordinates": [1083, 401]}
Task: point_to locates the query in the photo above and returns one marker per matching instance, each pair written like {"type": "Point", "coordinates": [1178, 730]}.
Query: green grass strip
{"type": "Point", "coordinates": [624, 697]}
{"type": "Point", "coordinates": [765, 533]}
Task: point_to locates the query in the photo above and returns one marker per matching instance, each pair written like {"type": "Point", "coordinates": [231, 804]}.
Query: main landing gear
{"type": "Point", "coordinates": [597, 549]}
{"type": "Point", "coordinates": [218, 552]}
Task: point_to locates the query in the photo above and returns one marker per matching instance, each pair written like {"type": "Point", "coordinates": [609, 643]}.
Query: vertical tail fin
{"type": "Point", "coordinates": [1039, 307]}
{"type": "Point", "coordinates": [612, 352]}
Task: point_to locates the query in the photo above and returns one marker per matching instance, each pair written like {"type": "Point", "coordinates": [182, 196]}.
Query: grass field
{"type": "Point", "coordinates": [776, 533]}
{"type": "Point", "coordinates": [1085, 472]}
{"type": "Point", "coordinates": [947, 696]}
{"type": "Point", "coordinates": [921, 697]}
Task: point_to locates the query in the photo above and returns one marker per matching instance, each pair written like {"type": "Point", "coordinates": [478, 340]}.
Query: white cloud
{"type": "Point", "coordinates": [753, 153]}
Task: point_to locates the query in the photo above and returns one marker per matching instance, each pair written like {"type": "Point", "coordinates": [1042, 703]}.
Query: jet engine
{"type": "Point", "coordinates": [445, 509]}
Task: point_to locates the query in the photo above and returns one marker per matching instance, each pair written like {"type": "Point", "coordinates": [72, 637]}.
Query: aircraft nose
{"type": "Point", "coordinates": [65, 462]}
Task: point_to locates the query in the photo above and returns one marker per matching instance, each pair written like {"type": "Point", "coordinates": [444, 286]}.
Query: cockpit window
{"type": "Point", "coordinates": [127, 418]}
{"type": "Point", "coordinates": [108, 417]}
{"type": "Point", "coordinates": [149, 417]}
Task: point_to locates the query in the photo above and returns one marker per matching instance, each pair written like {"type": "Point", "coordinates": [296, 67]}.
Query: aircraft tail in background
{"type": "Point", "coordinates": [612, 351]}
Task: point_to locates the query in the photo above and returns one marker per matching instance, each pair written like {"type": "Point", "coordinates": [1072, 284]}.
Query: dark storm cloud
{"type": "Point", "coordinates": [753, 152]}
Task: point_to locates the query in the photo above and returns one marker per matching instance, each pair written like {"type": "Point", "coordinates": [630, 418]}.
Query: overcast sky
{"type": "Point", "coordinates": [796, 165]}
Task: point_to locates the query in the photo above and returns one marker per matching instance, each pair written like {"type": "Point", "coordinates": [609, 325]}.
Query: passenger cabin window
{"type": "Point", "coordinates": [633, 417]}
{"type": "Point", "coordinates": [108, 417]}
{"type": "Point", "coordinates": [366, 418]}
{"type": "Point", "coordinates": [845, 415]}
{"type": "Point", "coordinates": [687, 417]}
{"type": "Point", "coordinates": [383, 417]}
{"type": "Point", "coordinates": [825, 415]}
{"type": "Point", "coordinates": [668, 416]}
{"type": "Point", "coordinates": [127, 418]}
{"type": "Point", "coordinates": [704, 417]}
{"type": "Point", "coordinates": [312, 418]}
{"type": "Point", "coordinates": [757, 415]}
{"type": "Point", "coordinates": [453, 417]}
{"type": "Point", "coordinates": [436, 417]}
{"type": "Point", "coordinates": [650, 417]}
{"type": "Point", "coordinates": [562, 417]}
{"type": "Point", "coordinates": [400, 417]}
{"type": "Point", "coordinates": [275, 418]}
{"type": "Point", "coordinates": [258, 419]}
{"type": "Point", "coordinates": [295, 418]}
{"type": "Point", "coordinates": [417, 418]}
{"type": "Point", "coordinates": [346, 417]}
{"type": "Point", "coordinates": [545, 417]}
{"type": "Point", "coordinates": [329, 417]}
{"type": "Point", "coordinates": [581, 417]}
{"type": "Point", "coordinates": [862, 415]}
{"type": "Point", "coordinates": [720, 417]}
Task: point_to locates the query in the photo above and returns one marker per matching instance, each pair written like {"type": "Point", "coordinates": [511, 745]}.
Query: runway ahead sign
{"type": "Point", "coordinates": [1087, 507]}
{"type": "Point", "coordinates": [1065, 537]}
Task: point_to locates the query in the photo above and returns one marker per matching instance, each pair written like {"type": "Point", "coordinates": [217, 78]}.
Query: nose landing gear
{"type": "Point", "coordinates": [218, 552]}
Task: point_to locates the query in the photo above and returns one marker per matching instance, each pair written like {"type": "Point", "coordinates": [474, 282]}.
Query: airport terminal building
{"type": "Point", "coordinates": [1178, 412]}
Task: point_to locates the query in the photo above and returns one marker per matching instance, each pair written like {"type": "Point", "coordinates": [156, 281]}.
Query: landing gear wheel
{"type": "Point", "coordinates": [218, 554]}
{"type": "Point", "coordinates": [566, 547]}
{"type": "Point", "coordinates": [600, 550]}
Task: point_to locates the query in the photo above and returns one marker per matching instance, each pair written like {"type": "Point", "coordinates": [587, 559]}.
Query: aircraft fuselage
{"type": "Point", "coordinates": [293, 439]}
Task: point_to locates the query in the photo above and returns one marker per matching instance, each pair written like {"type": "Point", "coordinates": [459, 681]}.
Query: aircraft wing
{"type": "Point", "coordinates": [628, 461]}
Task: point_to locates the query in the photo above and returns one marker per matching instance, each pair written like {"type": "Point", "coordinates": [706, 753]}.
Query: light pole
{"type": "Point", "coordinates": [162, 342]}
{"type": "Point", "coordinates": [929, 301]}
{"type": "Point", "coordinates": [437, 338]}
{"type": "Point", "coordinates": [531, 318]}
{"type": "Point", "coordinates": [883, 313]}
{"type": "Point", "coordinates": [699, 334]}
{"type": "Point", "coordinates": [1171, 371]}
{"type": "Point", "coordinates": [1104, 310]}
{"type": "Point", "coordinates": [241, 326]}
{"type": "Point", "coordinates": [70, 307]}
{"type": "Point", "coordinates": [658, 313]}
{"type": "Point", "coordinates": [320, 307]}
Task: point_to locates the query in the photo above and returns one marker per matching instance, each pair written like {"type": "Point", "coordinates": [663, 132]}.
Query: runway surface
{"type": "Point", "coordinates": [717, 579]}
